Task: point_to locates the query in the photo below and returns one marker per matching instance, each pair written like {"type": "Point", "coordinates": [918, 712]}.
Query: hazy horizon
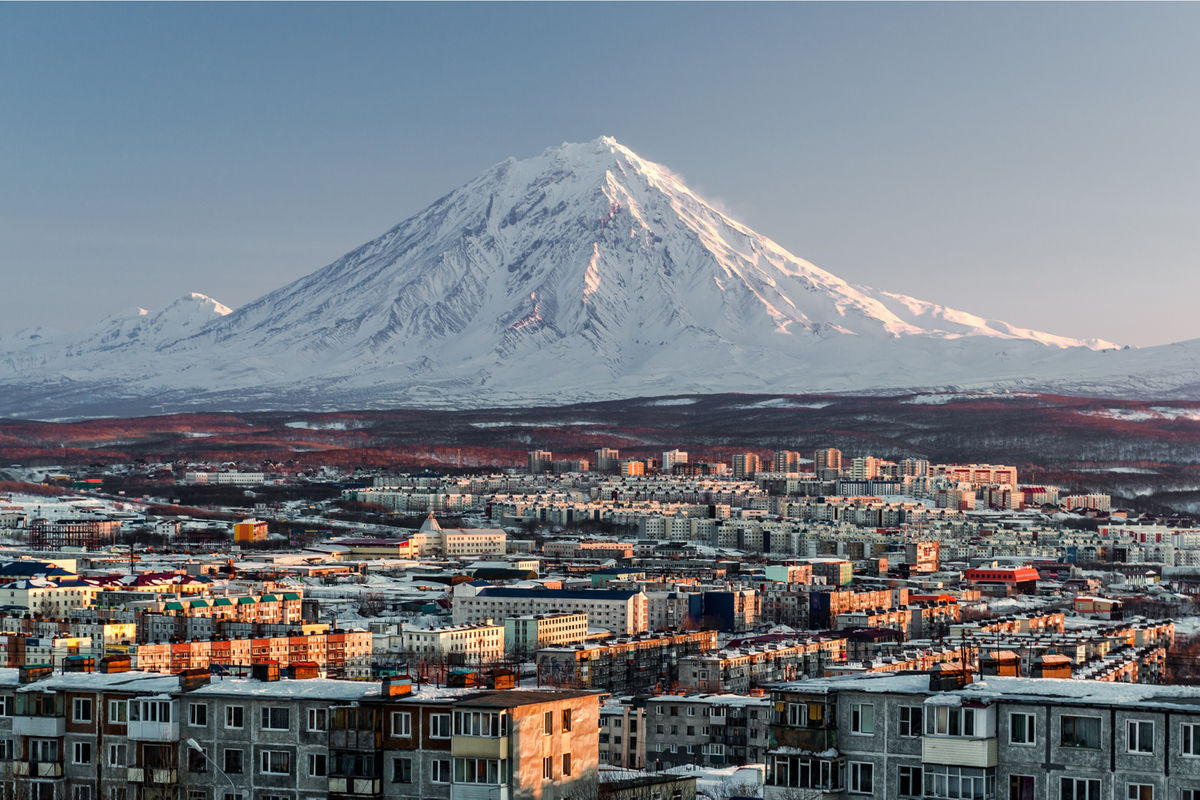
{"type": "Point", "coordinates": [1029, 163]}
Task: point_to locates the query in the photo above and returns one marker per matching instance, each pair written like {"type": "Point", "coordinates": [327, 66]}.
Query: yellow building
{"type": "Point", "coordinates": [250, 530]}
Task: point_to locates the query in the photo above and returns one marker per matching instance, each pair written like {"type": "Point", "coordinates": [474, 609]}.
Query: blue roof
{"type": "Point", "coordinates": [562, 594]}
{"type": "Point", "coordinates": [28, 569]}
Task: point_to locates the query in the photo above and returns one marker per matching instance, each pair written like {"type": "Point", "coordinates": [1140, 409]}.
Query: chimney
{"type": "Point", "coordinates": [113, 664]}
{"type": "Point", "coordinates": [191, 679]}
{"type": "Point", "coordinates": [302, 670]}
{"type": "Point", "coordinates": [948, 677]}
{"type": "Point", "coordinates": [396, 686]}
{"type": "Point", "coordinates": [265, 671]}
{"type": "Point", "coordinates": [32, 673]}
{"type": "Point", "coordinates": [1051, 666]}
{"type": "Point", "coordinates": [1004, 663]}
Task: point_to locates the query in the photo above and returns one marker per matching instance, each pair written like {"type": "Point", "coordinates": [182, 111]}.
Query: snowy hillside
{"type": "Point", "coordinates": [585, 272]}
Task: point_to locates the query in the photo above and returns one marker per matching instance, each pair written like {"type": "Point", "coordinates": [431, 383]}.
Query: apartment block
{"type": "Point", "coordinates": [936, 735]}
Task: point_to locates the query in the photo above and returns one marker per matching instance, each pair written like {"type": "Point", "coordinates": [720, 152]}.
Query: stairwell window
{"type": "Point", "coordinates": [1139, 736]}
{"type": "Point", "coordinates": [862, 718]}
{"type": "Point", "coordinates": [235, 717]}
{"type": "Point", "coordinates": [276, 718]}
{"type": "Point", "coordinates": [1021, 728]}
{"type": "Point", "coordinates": [1079, 732]}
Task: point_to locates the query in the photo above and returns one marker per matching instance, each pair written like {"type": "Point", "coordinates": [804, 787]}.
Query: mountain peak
{"type": "Point", "coordinates": [585, 271]}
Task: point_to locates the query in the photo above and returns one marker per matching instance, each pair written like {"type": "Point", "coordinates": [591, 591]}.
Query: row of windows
{"type": "Point", "coordinates": [1074, 731]}
{"type": "Point", "coordinates": [949, 782]}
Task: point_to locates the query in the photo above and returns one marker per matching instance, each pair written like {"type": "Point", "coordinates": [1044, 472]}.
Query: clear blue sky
{"type": "Point", "coordinates": [1033, 163]}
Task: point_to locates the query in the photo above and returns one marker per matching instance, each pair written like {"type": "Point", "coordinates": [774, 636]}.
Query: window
{"type": "Point", "coordinates": [548, 723]}
{"type": "Point", "coordinates": [566, 764]}
{"type": "Point", "coordinates": [276, 718]}
{"type": "Point", "coordinates": [1189, 794]}
{"type": "Point", "coordinates": [480, 770]}
{"type": "Point", "coordinates": [1189, 736]}
{"type": "Point", "coordinates": [1080, 732]}
{"type": "Point", "coordinates": [691, 712]}
{"type": "Point", "coordinates": [480, 723]}
{"type": "Point", "coordinates": [439, 726]}
{"type": "Point", "coordinates": [317, 765]}
{"type": "Point", "coordinates": [1139, 736]}
{"type": "Point", "coordinates": [81, 793]}
{"type": "Point", "coordinates": [116, 755]}
{"type": "Point", "coordinates": [82, 753]}
{"type": "Point", "coordinates": [1079, 789]}
{"type": "Point", "coordinates": [1139, 791]}
{"type": "Point", "coordinates": [401, 770]}
{"type": "Point", "coordinates": [950, 721]}
{"type": "Point", "coordinates": [862, 718]}
{"type": "Point", "coordinates": [118, 711]}
{"type": "Point", "coordinates": [861, 774]}
{"type": "Point", "coordinates": [806, 715]}
{"type": "Point", "coordinates": [197, 714]}
{"type": "Point", "coordinates": [233, 762]}
{"type": "Point", "coordinates": [81, 709]}
{"type": "Point", "coordinates": [6, 705]}
{"type": "Point", "coordinates": [151, 711]}
{"type": "Point", "coordinates": [1020, 728]}
{"type": "Point", "coordinates": [910, 721]}
{"type": "Point", "coordinates": [964, 783]}
{"type": "Point", "coordinates": [401, 723]}
{"type": "Point", "coordinates": [547, 768]}
{"type": "Point", "coordinates": [910, 781]}
{"type": "Point", "coordinates": [1020, 787]}
{"type": "Point", "coordinates": [658, 729]}
{"type": "Point", "coordinates": [235, 717]}
{"type": "Point", "coordinates": [317, 719]}
{"type": "Point", "coordinates": [566, 720]}
{"type": "Point", "coordinates": [441, 771]}
{"type": "Point", "coordinates": [42, 749]}
{"type": "Point", "coordinates": [275, 762]}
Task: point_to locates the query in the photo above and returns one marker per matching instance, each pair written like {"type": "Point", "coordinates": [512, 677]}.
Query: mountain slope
{"type": "Point", "coordinates": [584, 272]}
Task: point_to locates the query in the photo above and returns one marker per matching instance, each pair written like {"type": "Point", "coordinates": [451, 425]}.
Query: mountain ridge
{"type": "Point", "coordinates": [583, 272]}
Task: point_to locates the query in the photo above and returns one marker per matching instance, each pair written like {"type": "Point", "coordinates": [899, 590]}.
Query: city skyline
{"type": "Point", "coordinates": [1025, 163]}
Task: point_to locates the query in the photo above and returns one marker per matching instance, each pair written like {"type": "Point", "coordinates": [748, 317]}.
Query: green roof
{"type": "Point", "coordinates": [291, 596]}
{"type": "Point", "coordinates": [268, 598]}
{"type": "Point", "coordinates": [223, 601]}
{"type": "Point", "coordinates": [199, 604]}
{"type": "Point", "coordinates": [245, 601]}
{"type": "Point", "coordinates": [174, 606]}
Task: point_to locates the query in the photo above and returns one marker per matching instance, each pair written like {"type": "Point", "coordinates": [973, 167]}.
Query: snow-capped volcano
{"type": "Point", "coordinates": [584, 272]}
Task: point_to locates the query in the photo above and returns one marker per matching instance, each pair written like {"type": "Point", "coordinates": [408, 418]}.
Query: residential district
{"type": "Point", "coordinates": [780, 626]}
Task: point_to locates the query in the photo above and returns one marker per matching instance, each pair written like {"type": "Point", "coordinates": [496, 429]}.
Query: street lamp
{"type": "Point", "coordinates": [194, 745]}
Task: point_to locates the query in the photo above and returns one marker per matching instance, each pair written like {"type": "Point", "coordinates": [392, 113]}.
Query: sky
{"type": "Point", "coordinates": [1035, 163]}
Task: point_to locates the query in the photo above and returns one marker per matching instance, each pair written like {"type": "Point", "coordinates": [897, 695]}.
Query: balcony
{"type": "Point", "coordinates": [479, 746]}
{"type": "Point", "coordinates": [152, 731]}
{"type": "Point", "coordinates": [814, 740]}
{"type": "Point", "coordinates": [152, 775]}
{"type": "Point", "coordinates": [38, 769]}
{"type": "Point", "coordinates": [41, 727]}
{"type": "Point", "coordinates": [350, 739]}
{"type": "Point", "coordinates": [957, 751]}
{"type": "Point", "coordinates": [475, 791]}
{"type": "Point", "coordinates": [355, 786]}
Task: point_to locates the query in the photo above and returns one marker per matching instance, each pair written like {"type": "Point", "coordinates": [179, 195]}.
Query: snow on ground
{"type": "Point", "coordinates": [331, 425]}
{"type": "Point", "coordinates": [1122, 470]}
{"type": "Point", "coordinates": [720, 782]}
{"type": "Point", "coordinates": [1145, 414]}
{"type": "Point", "coordinates": [673, 401]}
{"type": "Point", "coordinates": [783, 402]}
{"type": "Point", "coordinates": [941, 399]}
{"type": "Point", "coordinates": [1187, 626]}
